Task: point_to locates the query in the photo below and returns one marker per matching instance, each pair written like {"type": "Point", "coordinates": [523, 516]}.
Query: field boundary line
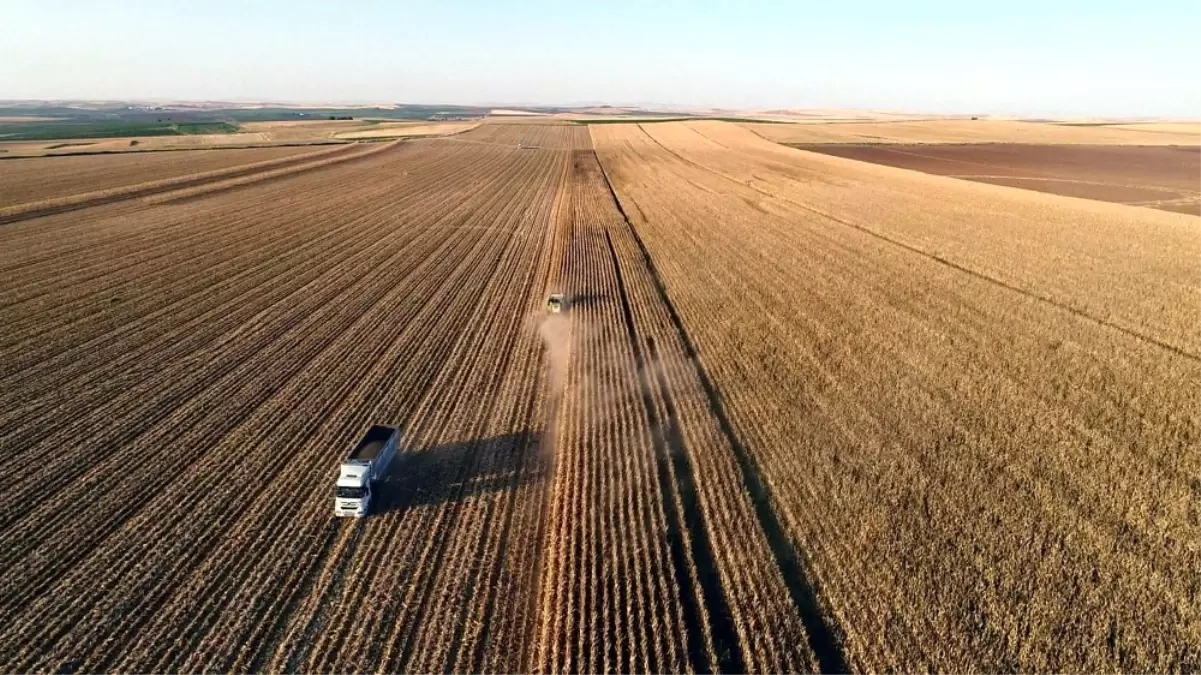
{"type": "Point", "coordinates": [726, 641]}
{"type": "Point", "coordinates": [998, 282]}
{"type": "Point", "coordinates": [823, 635]}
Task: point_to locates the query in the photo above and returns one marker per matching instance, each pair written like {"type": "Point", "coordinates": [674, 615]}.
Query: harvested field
{"type": "Point", "coordinates": [976, 131]}
{"type": "Point", "coordinates": [247, 139]}
{"type": "Point", "coordinates": [128, 145]}
{"type": "Point", "coordinates": [1162, 177]}
{"type": "Point", "coordinates": [803, 413]}
{"type": "Point", "coordinates": [189, 184]}
{"type": "Point", "coordinates": [35, 179]}
{"type": "Point", "coordinates": [404, 130]}
{"type": "Point", "coordinates": [566, 136]}
{"type": "Point", "coordinates": [283, 317]}
{"type": "Point", "coordinates": [304, 130]}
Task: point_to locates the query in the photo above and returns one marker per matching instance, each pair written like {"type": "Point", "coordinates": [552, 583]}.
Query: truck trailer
{"type": "Point", "coordinates": [362, 470]}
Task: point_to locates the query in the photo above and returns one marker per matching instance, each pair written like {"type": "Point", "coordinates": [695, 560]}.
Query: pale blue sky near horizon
{"type": "Point", "coordinates": [1022, 57]}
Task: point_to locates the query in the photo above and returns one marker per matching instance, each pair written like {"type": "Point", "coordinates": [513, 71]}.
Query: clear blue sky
{"type": "Point", "coordinates": [1031, 58]}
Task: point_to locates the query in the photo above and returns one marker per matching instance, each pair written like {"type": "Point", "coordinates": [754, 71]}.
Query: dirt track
{"type": "Point", "coordinates": [804, 414]}
{"type": "Point", "coordinates": [1162, 177]}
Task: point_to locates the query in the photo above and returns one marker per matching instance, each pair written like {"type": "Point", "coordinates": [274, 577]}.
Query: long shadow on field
{"type": "Point", "coordinates": [581, 300]}
{"type": "Point", "coordinates": [453, 472]}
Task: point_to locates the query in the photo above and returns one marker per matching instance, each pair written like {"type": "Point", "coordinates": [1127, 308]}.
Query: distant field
{"type": "Point", "coordinates": [1193, 128]}
{"type": "Point", "coordinates": [387, 130]}
{"type": "Point", "coordinates": [978, 131]}
{"type": "Point", "coordinates": [195, 135]}
{"type": "Point", "coordinates": [193, 128]}
{"type": "Point", "coordinates": [34, 179]}
{"type": "Point", "coordinates": [21, 119]}
{"type": "Point", "coordinates": [33, 130]}
{"type": "Point", "coordinates": [27, 131]}
{"type": "Point", "coordinates": [141, 144]}
{"type": "Point", "coordinates": [1161, 177]}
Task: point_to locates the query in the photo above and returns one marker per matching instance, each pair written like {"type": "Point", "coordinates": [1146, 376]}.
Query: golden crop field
{"type": "Point", "coordinates": [980, 131]}
{"type": "Point", "coordinates": [389, 130]}
{"type": "Point", "coordinates": [251, 135]}
{"type": "Point", "coordinates": [803, 413]}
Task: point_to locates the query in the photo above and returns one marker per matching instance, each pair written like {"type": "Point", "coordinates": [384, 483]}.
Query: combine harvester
{"type": "Point", "coordinates": [556, 304]}
{"type": "Point", "coordinates": [363, 468]}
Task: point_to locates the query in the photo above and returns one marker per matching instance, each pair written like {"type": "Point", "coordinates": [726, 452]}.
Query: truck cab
{"type": "Point", "coordinates": [354, 494]}
{"type": "Point", "coordinates": [363, 469]}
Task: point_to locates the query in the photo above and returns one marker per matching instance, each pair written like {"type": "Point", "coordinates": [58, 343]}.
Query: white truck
{"type": "Point", "coordinates": [363, 468]}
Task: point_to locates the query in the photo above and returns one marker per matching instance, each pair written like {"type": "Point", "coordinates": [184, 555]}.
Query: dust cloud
{"type": "Point", "coordinates": [555, 332]}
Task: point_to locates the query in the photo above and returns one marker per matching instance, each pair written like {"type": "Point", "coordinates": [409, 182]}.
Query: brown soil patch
{"type": "Point", "coordinates": [1120, 194]}
{"type": "Point", "coordinates": [1189, 207]}
{"type": "Point", "coordinates": [1162, 177]}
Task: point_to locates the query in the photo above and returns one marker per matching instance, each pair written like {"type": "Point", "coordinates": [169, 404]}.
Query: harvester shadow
{"type": "Point", "coordinates": [581, 300]}
{"type": "Point", "coordinates": [453, 472]}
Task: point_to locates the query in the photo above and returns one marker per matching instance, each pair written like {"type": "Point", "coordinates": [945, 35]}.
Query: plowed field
{"type": "Point", "coordinates": [802, 414]}
{"type": "Point", "coordinates": [1161, 177]}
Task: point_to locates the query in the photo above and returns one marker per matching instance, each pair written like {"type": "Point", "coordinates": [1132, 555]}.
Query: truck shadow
{"type": "Point", "coordinates": [456, 471]}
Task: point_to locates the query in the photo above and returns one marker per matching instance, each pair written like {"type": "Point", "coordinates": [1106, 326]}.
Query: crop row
{"type": "Point", "coordinates": [213, 520]}
{"type": "Point", "coordinates": [171, 324]}
{"type": "Point", "coordinates": [445, 514]}
{"type": "Point", "coordinates": [25, 211]}
{"type": "Point", "coordinates": [254, 394]}
{"type": "Point", "coordinates": [222, 323]}
{"type": "Point", "coordinates": [946, 455]}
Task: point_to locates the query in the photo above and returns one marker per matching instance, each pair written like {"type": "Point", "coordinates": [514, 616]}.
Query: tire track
{"type": "Point", "coordinates": [678, 480]}
{"type": "Point", "coordinates": [822, 634]}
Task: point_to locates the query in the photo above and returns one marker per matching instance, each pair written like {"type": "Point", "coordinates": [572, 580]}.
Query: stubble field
{"type": "Point", "coordinates": [805, 413]}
